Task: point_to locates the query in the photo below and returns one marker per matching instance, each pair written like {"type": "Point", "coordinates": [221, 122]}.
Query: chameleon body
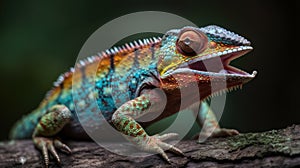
{"type": "Point", "coordinates": [132, 81]}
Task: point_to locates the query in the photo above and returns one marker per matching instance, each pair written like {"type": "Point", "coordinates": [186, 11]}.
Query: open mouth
{"type": "Point", "coordinates": [217, 64]}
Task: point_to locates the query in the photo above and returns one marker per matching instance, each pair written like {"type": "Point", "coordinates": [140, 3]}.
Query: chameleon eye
{"type": "Point", "coordinates": [191, 42]}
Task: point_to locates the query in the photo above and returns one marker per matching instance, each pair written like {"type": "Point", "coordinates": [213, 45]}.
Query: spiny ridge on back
{"type": "Point", "coordinates": [126, 48]}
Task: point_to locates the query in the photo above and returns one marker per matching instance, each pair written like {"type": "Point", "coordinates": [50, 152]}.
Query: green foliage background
{"type": "Point", "coordinates": [41, 39]}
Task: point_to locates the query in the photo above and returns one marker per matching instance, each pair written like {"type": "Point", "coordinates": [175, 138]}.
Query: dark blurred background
{"type": "Point", "coordinates": [39, 40]}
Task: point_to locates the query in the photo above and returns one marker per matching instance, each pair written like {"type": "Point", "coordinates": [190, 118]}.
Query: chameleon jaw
{"type": "Point", "coordinates": [218, 71]}
{"type": "Point", "coordinates": [216, 65]}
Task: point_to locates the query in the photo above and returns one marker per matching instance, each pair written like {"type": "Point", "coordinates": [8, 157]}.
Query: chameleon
{"type": "Point", "coordinates": [132, 81]}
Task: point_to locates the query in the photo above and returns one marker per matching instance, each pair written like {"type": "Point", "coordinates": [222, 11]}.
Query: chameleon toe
{"type": "Point", "coordinates": [223, 132]}
{"type": "Point", "coordinates": [47, 145]}
{"type": "Point", "coordinates": [166, 136]}
{"type": "Point", "coordinates": [63, 147]}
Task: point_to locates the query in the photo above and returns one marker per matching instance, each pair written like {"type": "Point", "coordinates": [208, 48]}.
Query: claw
{"type": "Point", "coordinates": [155, 144]}
{"type": "Point", "coordinates": [48, 144]}
{"type": "Point", "coordinates": [45, 154]}
{"type": "Point", "coordinates": [176, 151]}
{"type": "Point", "coordinates": [51, 148]}
{"type": "Point", "coordinates": [163, 154]}
{"type": "Point", "coordinates": [63, 147]}
{"type": "Point", "coordinates": [171, 148]}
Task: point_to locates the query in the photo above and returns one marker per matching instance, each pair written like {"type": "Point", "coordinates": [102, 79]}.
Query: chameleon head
{"type": "Point", "coordinates": [202, 54]}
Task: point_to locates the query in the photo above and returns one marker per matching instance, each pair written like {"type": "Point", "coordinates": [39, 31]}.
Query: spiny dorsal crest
{"type": "Point", "coordinates": [126, 48]}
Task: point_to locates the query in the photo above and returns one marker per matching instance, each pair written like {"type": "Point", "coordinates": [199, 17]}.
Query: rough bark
{"type": "Point", "coordinates": [276, 148]}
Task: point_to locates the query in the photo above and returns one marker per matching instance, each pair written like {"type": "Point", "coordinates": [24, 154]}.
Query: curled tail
{"type": "Point", "coordinates": [24, 128]}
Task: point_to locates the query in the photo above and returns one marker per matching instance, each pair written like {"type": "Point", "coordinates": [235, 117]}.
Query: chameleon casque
{"type": "Point", "coordinates": [134, 73]}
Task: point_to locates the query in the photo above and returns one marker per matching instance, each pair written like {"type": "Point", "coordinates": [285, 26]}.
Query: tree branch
{"type": "Point", "coordinates": [279, 148]}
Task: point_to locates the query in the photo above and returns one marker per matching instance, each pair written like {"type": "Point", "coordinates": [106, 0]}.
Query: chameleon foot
{"type": "Point", "coordinates": [166, 136]}
{"type": "Point", "coordinates": [223, 132]}
{"type": "Point", "coordinates": [155, 144]}
{"type": "Point", "coordinates": [218, 132]}
{"type": "Point", "coordinates": [49, 144]}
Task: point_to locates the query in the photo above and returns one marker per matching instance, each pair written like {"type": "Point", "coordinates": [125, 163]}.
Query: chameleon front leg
{"type": "Point", "coordinates": [209, 124]}
{"type": "Point", "coordinates": [123, 120]}
{"type": "Point", "coordinates": [48, 126]}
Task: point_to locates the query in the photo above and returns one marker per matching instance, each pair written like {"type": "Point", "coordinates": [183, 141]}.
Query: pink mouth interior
{"type": "Point", "coordinates": [219, 65]}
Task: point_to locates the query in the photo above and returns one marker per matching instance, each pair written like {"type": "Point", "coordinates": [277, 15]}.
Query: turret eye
{"type": "Point", "coordinates": [191, 42]}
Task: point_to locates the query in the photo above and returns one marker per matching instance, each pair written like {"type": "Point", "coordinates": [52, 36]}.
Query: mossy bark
{"type": "Point", "coordinates": [276, 148]}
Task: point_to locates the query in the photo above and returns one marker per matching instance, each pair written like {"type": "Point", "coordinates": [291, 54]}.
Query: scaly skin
{"type": "Point", "coordinates": [132, 81]}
